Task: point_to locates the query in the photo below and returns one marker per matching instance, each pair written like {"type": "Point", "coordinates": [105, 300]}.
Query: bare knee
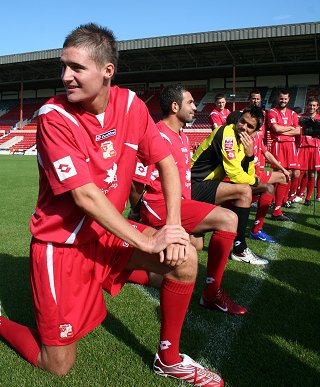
{"type": "Point", "coordinates": [197, 242]}
{"type": "Point", "coordinates": [245, 196]}
{"type": "Point", "coordinates": [57, 360]}
{"type": "Point", "coordinates": [295, 174]}
{"type": "Point", "coordinates": [230, 221]}
{"type": "Point", "coordinates": [187, 271]}
{"type": "Point", "coordinates": [270, 188]}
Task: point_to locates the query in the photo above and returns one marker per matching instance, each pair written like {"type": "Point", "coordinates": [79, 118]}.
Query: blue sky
{"type": "Point", "coordinates": [39, 25]}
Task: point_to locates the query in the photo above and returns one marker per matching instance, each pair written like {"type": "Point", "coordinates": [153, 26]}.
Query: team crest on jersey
{"type": "Point", "coordinates": [105, 135]}
{"type": "Point", "coordinates": [228, 143]}
{"type": "Point", "coordinates": [112, 174]}
{"type": "Point", "coordinates": [108, 149]}
{"type": "Point", "coordinates": [65, 331]}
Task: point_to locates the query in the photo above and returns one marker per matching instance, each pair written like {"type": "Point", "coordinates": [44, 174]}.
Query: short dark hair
{"type": "Point", "coordinates": [254, 91]}
{"type": "Point", "coordinates": [255, 112]}
{"type": "Point", "coordinates": [313, 99]}
{"type": "Point", "coordinates": [219, 96]}
{"type": "Point", "coordinates": [170, 94]}
{"type": "Point", "coordinates": [100, 43]}
{"type": "Point", "coordinates": [283, 91]}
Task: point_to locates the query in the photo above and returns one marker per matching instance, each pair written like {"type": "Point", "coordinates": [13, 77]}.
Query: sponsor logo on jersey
{"type": "Point", "coordinates": [105, 135]}
{"type": "Point", "coordinates": [231, 155]}
{"type": "Point", "coordinates": [154, 175]}
{"type": "Point", "coordinates": [228, 143]}
{"type": "Point", "coordinates": [108, 149]}
{"type": "Point", "coordinates": [111, 174]}
{"type": "Point", "coordinates": [65, 168]}
{"type": "Point", "coordinates": [65, 331]}
{"type": "Point", "coordinates": [141, 170]}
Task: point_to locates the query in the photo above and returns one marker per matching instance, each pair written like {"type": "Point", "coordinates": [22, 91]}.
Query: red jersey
{"type": "Point", "coordinates": [259, 150]}
{"type": "Point", "coordinates": [75, 149]}
{"type": "Point", "coordinates": [308, 141]}
{"type": "Point", "coordinates": [284, 118]}
{"type": "Point", "coordinates": [180, 149]}
{"type": "Point", "coordinates": [219, 117]}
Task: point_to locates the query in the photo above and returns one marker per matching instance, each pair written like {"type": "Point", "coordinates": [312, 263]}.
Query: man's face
{"type": "Point", "coordinates": [312, 108]}
{"type": "Point", "coordinates": [246, 124]}
{"type": "Point", "coordinates": [283, 100]}
{"type": "Point", "coordinates": [188, 108]}
{"type": "Point", "coordinates": [81, 77]}
{"type": "Point", "coordinates": [255, 100]}
{"type": "Point", "coordinates": [220, 103]}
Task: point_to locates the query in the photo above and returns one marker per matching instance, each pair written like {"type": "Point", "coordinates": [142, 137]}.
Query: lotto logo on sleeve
{"type": "Point", "coordinates": [65, 168]}
{"type": "Point", "coordinates": [141, 170]}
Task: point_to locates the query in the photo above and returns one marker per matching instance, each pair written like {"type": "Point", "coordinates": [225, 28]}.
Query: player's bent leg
{"type": "Point", "coordinates": [57, 360]}
{"type": "Point", "coordinates": [263, 188]}
{"type": "Point", "coordinates": [240, 194]}
{"type": "Point", "coordinates": [277, 177]}
{"type": "Point", "coordinates": [186, 272]}
{"type": "Point", "coordinates": [218, 219]}
{"type": "Point", "coordinates": [197, 241]}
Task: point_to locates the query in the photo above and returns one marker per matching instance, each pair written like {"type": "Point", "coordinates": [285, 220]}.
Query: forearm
{"type": "Point", "coordinates": [94, 203]}
{"type": "Point", "coordinates": [171, 189]}
{"type": "Point", "coordinates": [272, 160]}
{"type": "Point", "coordinates": [286, 130]}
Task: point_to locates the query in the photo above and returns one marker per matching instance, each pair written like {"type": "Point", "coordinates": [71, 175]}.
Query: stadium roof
{"type": "Point", "coordinates": [281, 49]}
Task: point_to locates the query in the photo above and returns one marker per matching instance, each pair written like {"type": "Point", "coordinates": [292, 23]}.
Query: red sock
{"type": "Point", "coordinates": [174, 301]}
{"type": "Point", "coordinates": [262, 210]}
{"type": "Point", "coordinates": [286, 194]}
{"type": "Point", "coordinates": [293, 188]}
{"type": "Point", "coordinates": [139, 277]}
{"type": "Point", "coordinates": [279, 195]}
{"type": "Point", "coordinates": [218, 252]}
{"type": "Point", "coordinates": [318, 185]}
{"type": "Point", "coordinates": [302, 184]}
{"type": "Point", "coordinates": [24, 340]}
{"type": "Point", "coordinates": [310, 187]}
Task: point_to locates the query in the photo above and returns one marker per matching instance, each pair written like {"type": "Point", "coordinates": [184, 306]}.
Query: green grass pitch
{"type": "Point", "coordinates": [277, 344]}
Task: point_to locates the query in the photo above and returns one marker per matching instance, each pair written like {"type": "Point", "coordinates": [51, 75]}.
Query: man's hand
{"type": "Point", "coordinates": [247, 142]}
{"type": "Point", "coordinates": [172, 243]}
{"type": "Point", "coordinates": [287, 174]}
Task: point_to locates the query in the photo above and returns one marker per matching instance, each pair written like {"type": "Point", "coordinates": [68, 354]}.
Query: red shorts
{"type": "Point", "coordinates": [309, 158]}
{"type": "Point", "coordinates": [264, 176]}
{"type": "Point", "coordinates": [67, 282]}
{"type": "Point", "coordinates": [192, 213]}
{"type": "Point", "coordinates": [286, 154]}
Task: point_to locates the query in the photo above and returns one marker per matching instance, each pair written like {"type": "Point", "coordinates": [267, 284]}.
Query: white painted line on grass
{"type": "Point", "coordinates": [221, 337]}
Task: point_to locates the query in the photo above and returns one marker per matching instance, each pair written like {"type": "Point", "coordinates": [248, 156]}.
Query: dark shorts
{"type": "Point", "coordinates": [205, 191]}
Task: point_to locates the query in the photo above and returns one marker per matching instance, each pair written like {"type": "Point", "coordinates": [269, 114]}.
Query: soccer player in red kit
{"type": "Point", "coordinates": [178, 108]}
{"type": "Point", "coordinates": [282, 176]}
{"type": "Point", "coordinates": [87, 142]}
{"type": "Point", "coordinates": [309, 155]}
{"type": "Point", "coordinates": [219, 114]}
{"type": "Point", "coordinates": [284, 127]}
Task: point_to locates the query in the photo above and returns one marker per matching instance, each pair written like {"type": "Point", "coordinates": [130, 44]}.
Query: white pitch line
{"type": "Point", "coordinates": [221, 336]}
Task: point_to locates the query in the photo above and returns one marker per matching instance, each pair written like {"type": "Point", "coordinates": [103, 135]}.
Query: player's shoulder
{"type": "Point", "coordinates": [58, 103]}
